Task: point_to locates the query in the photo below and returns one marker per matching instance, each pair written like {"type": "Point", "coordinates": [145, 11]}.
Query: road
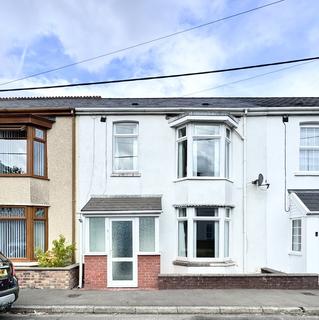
{"type": "Point", "coordinates": [149, 317]}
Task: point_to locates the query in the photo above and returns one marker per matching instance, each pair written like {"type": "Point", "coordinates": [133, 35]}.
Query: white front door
{"type": "Point", "coordinates": [122, 259]}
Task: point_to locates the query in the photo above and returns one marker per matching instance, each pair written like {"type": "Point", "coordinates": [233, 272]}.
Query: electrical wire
{"type": "Point", "coordinates": [161, 76]}
{"type": "Point", "coordinates": [143, 43]}
{"type": "Point", "coordinates": [245, 79]}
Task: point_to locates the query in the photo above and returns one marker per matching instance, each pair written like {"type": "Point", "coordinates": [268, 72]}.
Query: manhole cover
{"type": "Point", "coordinates": [73, 295]}
{"type": "Point", "coordinates": [308, 294]}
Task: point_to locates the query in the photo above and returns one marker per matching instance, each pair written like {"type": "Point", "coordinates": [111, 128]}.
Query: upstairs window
{"type": "Point", "coordinates": [309, 148]}
{"type": "Point", "coordinates": [201, 147]}
{"type": "Point", "coordinates": [23, 151]}
{"type": "Point", "coordinates": [125, 153]}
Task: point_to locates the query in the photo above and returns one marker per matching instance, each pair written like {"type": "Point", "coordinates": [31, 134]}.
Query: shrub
{"type": "Point", "coordinates": [61, 254]}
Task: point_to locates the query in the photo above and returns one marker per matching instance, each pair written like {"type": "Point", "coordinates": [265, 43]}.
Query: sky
{"type": "Point", "coordinates": [37, 36]}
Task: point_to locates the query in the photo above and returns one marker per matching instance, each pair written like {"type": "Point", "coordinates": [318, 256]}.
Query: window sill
{"type": "Point", "coordinates": [95, 254]}
{"type": "Point", "coordinates": [22, 176]}
{"type": "Point", "coordinates": [295, 253]}
{"type": "Point", "coordinates": [204, 178]}
{"type": "Point", "coordinates": [125, 174]}
{"type": "Point", "coordinates": [306, 173]}
{"type": "Point", "coordinates": [186, 263]}
{"type": "Point", "coordinates": [148, 254]}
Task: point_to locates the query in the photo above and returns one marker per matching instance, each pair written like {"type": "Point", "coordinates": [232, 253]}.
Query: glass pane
{"type": "Point", "coordinates": [182, 238]}
{"type": "Point", "coordinates": [227, 213]}
{"type": "Point", "coordinates": [207, 239]}
{"type": "Point", "coordinates": [38, 158]}
{"type": "Point", "coordinates": [125, 153]}
{"type": "Point", "coordinates": [226, 239]}
{"type": "Point", "coordinates": [12, 212]}
{"type": "Point", "coordinates": [122, 239]}
{"type": "Point", "coordinates": [227, 133]}
{"type": "Point", "coordinates": [13, 152]}
{"type": "Point", "coordinates": [13, 238]}
{"type": "Point", "coordinates": [309, 160]}
{"type": "Point", "coordinates": [147, 234]}
{"type": "Point", "coordinates": [122, 270]}
{"type": "Point", "coordinates": [39, 133]}
{"type": "Point", "coordinates": [227, 153]}
{"type": "Point", "coordinates": [97, 234]}
{"type": "Point", "coordinates": [182, 132]}
{"type": "Point", "coordinates": [205, 130]}
{"type": "Point", "coordinates": [207, 212]}
{"type": "Point", "coordinates": [309, 137]}
{"type": "Point", "coordinates": [182, 212]}
{"type": "Point", "coordinates": [39, 235]}
{"type": "Point", "coordinates": [125, 128]}
{"type": "Point", "coordinates": [206, 157]}
{"type": "Point", "coordinates": [182, 159]}
{"type": "Point", "coordinates": [40, 213]}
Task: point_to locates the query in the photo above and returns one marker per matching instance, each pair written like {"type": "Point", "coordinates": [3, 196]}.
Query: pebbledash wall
{"type": "Point", "coordinates": [260, 232]}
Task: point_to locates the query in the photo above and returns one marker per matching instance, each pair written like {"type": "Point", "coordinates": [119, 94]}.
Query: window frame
{"type": "Point", "coordinates": [30, 139]}
{"type": "Point", "coordinates": [191, 137]}
{"type": "Point", "coordinates": [114, 135]}
{"type": "Point", "coordinates": [292, 235]}
{"type": "Point", "coordinates": [313, 148]}
{"type": "Point", "coordinates": [29, 218]}
{"type": "Point", "coordinates": [191, 219]}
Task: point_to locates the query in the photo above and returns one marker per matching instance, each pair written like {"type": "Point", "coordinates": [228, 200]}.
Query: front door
{"type": "Point", "coordinates": [122, 260]}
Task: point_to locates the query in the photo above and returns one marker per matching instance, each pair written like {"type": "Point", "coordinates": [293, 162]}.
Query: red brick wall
{"type": "Point", "coordinates": [148, 271]}
{"type": "Point", "coordinates": [247, 281]}
{"type": "Point", "coordinates": [95, 272]}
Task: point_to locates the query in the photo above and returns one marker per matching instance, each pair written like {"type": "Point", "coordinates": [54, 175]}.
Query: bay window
{"type": "Point", "coordinates": [200, 149]}
{"type": "Point", "coordinates": [203, 232]}
{"type": "Point", "coordinates": [309, 148]}
{"type": "Point", "coordinates": [22, 231]}
{"type": "Point", "coordinates": [22, 151]}
{"type": "Point", "coordinates": [125, 154]}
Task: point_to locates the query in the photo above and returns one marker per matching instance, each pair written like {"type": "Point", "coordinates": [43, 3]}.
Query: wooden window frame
{"type": "Point", "coordinates": [30, 218]}
{"type": "Point", "coordinates": [31, 138]}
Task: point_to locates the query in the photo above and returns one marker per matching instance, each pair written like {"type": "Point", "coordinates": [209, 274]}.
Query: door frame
{"type": "Point", "coordinates": [135, 236]}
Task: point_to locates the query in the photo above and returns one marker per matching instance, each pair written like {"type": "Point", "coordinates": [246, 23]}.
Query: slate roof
{"type": "Point", "coordinates": [310, 198]}
{"type": "Point", "coordinates": [124, 203]}
{"type": "Point", "coordinates": [97, 102]}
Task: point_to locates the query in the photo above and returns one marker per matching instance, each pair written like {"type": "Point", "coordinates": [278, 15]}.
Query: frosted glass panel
{"type": "Point", "coordinates": [38, 158]}
{"type": "Point", "coordinates": [122, 239]}
{"type": "Point", "coordinates": [122, 270]}
{"type": "Point", "coordinates": [226, 239]}
{"type": "Point", "coordinates": [147, 234]}
{"type": "Point", "coordinates": [182, 238]}
{"type": "Point", "coordinates": [39, 235]}
{"type": "Point", "coordinates": [97, 234]}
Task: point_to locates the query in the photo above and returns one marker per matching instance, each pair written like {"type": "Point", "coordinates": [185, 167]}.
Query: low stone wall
{"type": "Point", "coordinates": [242, 281]}
{"type": "Point", "coordinates": [48, 278]}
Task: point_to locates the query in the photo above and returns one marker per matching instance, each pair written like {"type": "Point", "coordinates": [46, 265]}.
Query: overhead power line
{"type": "Point", "coordinates": [245, 79]}
{"type": "Point", "coordinates": [142, 43]}
{"type": "Point", "coordinates": [178, 75]}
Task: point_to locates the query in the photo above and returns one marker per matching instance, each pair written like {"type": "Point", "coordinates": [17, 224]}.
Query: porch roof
{"type": "Point", "coordinates": [310, 199]}
{"type": "Point", "coordinates": [124, 203]}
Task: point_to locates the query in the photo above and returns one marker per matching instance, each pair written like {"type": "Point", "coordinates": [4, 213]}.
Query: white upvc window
{"type": "Point", "coordinates": [204, 233]}
{"type": "Point", "coordinates": [125, 147]}
{"type": "Point", "coordinates": [309, 148]}
{"type": "Point", "coordinates": [296, 235]}
{"type": "Point", "coordinates": [203, 150]}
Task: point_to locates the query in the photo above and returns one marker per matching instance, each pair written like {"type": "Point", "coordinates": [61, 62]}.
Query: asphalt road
{"type": "Point", "coordinates": [150, 317]}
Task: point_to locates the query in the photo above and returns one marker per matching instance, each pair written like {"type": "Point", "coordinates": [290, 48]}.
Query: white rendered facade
{"type": "Point", "coordinates": [250, 226]}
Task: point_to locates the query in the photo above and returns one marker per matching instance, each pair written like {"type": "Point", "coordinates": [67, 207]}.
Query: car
{"type": "Point", "coordinates": [9, 286]}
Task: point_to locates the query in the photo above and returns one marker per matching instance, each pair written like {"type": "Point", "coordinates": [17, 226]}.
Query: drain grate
{"type": "Point", "coordinates": [73, 295]}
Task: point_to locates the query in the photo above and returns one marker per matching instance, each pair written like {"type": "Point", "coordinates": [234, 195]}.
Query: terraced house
{"type": "Point", "coordinates": [152, 190]}
{"type": "Point", "coordinates": [37, 193]}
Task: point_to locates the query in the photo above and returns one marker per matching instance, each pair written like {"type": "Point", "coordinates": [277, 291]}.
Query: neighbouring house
{"type": "Point", "coordinates": [37, 168]}
{"type": "Point", "coordinates": [168, 187]}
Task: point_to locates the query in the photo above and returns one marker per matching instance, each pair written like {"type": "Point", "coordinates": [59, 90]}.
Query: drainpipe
{"type": "Point", "coordinates": [80, 251]}
{"type": "Point", "coordinates": [244, 188]}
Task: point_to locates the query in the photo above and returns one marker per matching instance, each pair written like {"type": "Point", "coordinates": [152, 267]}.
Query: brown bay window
{"type": "Point", "coordinates": [22, 231]}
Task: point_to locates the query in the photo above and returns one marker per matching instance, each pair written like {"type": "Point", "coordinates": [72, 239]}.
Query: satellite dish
{"type": "Point", "coordinates": [260, 180]}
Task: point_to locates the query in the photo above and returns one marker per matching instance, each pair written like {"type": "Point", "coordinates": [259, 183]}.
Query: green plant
{"type": "Point", "coordinates": [60, 256]}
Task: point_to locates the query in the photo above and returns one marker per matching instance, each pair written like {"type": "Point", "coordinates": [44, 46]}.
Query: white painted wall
{"type": "Point", "coordinates": [268, 225]}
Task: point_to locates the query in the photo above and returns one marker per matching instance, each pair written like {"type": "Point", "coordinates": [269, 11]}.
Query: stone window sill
{"type": "Point", "coordinates": [125, 174]}
{"type": "Point", "coordinates": [185, 263]}
{"type": "Point", "coordinates": [306, 173]}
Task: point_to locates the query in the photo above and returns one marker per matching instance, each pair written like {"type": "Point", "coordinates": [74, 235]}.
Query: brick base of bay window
{"type": "Point", "coordinates": [95, 272]}
{"type": "Point", "coordinates": [148, 271]}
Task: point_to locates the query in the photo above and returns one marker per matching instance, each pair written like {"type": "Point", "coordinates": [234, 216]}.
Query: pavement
{"type": "Point", "coordinates": [229, 301]}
